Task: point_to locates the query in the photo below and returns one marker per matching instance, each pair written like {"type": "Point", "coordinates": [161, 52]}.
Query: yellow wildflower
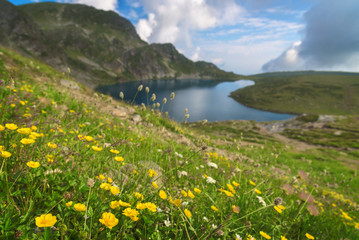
{"type": "Point", "coordinates": [11, 126]}
{"type": "Point", "coordinates": [123, 204]}
{"type": "Point", "coordinates": [154, 185]}
{"type": "Point", "coordinates": [96, 148]}
{"type": "Point", "coordinates": [266, 236]}
{"type": "Point", "coordinates": [68, 204]}
{"type": "Point", "coordinates": [152, 173]}
{"type": "Point", "coordinates": [278, 209]}
{"type": "Point", "coordinates": [114, 190]}
{"type": "Point", "coordinates": [80, 207]}
{"type": "Point", "coordinates": [257, 191]}
{"type": "Point", "coordinates": [283, 238]}
{"type": "Point", "coordinates": [151, 206]}
{"type": "Point", "coordinates": [51, 145]}
{"type": "Point", "coordinates": [101, 177]}
{"type": "Point", "coordinates": [138, 195]}
{"type": "Point", "coordinates": [190, 194]}
{"type": "Point", "coordinates": [197, 190]}
{"type": "Point", "coordinates": [114, 151]}
{"type": "Point", "coordinates": [235, 183]}
{"type": "Point", "coordinates": [33, 128]}
{"type": "Point", "coordinates": [132, 213]}
{"type": "Point", "coordinates": [235, 209]}
{"type": "Point", "coordinates": [109, 180]}
{"type": "Point", "coordinates": [26, 141]}
{"type": "Point", "coordinates": [162, 194]}
{"type": "Point", "coordinates": [24, 130]}
{"type": "Point", "coordinates": [214, 208]}
{"type": "Point", "coordinates": [5, 154]}
{"type": "Point", "coordinates": [114, 204]}
{"type": "Point", "coordinates": [105, 186]}
{"type": "Point", "coordinates": [252, 183]}
{"type": "Point", "coordinates": [187, 213]}
{"type": "Point", "coordinates": [109, 220]}
{"type": "Point", "coordinates": [141, 206]}
{"type": "Point", "coordinates": [33, 164]}
{"type": "Point", "coordinates": [46, 220]}
{"type": "Point", "coordinates": [2, 128]}
{"type": "Point", "coordinates": [230, 187]}
{"type": "Point", "coordinates": [184, 193]}
{"type": "Point", "coordinates": [119, 159]}
{"type": "Point", "coordinates": [309, 236]}
{"type": "Point", "coordinates": [177, 202]}
{"type": "Point", "coordinates": [88, 138]}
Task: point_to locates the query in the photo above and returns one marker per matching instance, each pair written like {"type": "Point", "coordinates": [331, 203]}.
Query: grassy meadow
{"type": "Point", "coordinates": [303, 92]}
{"type": "Point", "coordinates": [76, 164]}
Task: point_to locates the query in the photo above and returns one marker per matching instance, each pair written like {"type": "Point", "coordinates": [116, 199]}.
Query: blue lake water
{"type": "Point", "coordinates": [204, 99]}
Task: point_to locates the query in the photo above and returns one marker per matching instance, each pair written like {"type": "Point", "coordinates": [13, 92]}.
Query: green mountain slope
{"type": "Point", "coordinates": [99, 47]}
{"type": "Point", "coordinates": [82, 157]}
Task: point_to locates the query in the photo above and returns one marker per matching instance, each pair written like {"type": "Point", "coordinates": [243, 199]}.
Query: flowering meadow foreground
{"type": "Point", "coordinates": [79, 165]}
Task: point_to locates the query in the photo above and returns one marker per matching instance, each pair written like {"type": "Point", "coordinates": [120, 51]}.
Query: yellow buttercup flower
{"type": "Point", "coordinates": [24, 130]}
{"type": "Point", "coordinates": [190, 194]}
{"type": "Point", "coordinates": [266, 236]}
{"type": "Point", "coordinates": [51, 145]}
{"type": "Point", "coordinates": [123, 204]}
{"type": "Point", "coordinates": [230, 187]}
{"type": "Point", "coordinates": [105, 186]}
{"type": "Point", "coordinates": [214, 208]}
{"type": "Point", "coordinates": [88, 138]}
{"type": "Point", "coordinates": [114, 190]}
{"type": "Point", "coordinates": [132, 213]}
{"type": "Point", "coordinates": [109, 220]}
{"type": "Point", "coordinates": [177, 202]}
{"type": "Point", "coordinates": [257, 191]}
{"type": "Point", "coordinates": [188, 213]}
{"type": "Point", "coordinates": [11, 126]}
{"type": "Point", "coordinates": [309, 236]}
{"type": "Point", "coordinates": [197, 190]}
{"type": "Point", "coordinates": [46, 220]}
{"type": "Point", "coordinates": [114, 151]}
{"type": "Point", "coordinates": [184, 193]}
{"type": "Point", "coordinates": [80, 207]}
{"type": "Point", "coordinates": [109, 180]}
{"type": "Point", "coordinates": [235, 183]}
{"type": "Point", "coordinates": [27, 141]}
{"type": "Point", "coordinates": [138, 195]}
{"type": "Point", "coordinates": [152, 173]}
{"type": "Point", "coordinates": [5, 154]}
{"type": "Point", "coordinates": [33, 164]}
{"type": "Point", "coordinates": [119, 159]}
{"type": "Point", "coordinates": [162, 194]}
{"type": "Point", "coordinates": [33, 128]}
{"type": "Point", "coordinates": [154, 185]}
{"type": "Point", "coordinates": [283, 238]}
{"type": "Point", "coordinates": [235, 209]}
{"type": "Point", "coordinates": [101, 177]}
{"type": "Point", "coordinates": [68, 204]}
{"type": "Point", "coordinates": [252, 183]}
{"type": "Point", "coordinates": [96, 148]}
{"type": "Point", "coordinates": [151, 206]}
{"type": "Point", "coordinates": [114, 204]}
{"type": "Point", "coordinates": [141, 206]}
{"type": "Point", "coordinates": [2, 128]}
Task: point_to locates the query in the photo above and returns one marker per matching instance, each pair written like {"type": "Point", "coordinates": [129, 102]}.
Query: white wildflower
{"type": "Point", "coordinates": [159, 150]}
{"type": "Point", "coordinates": [184, 203]}
{"type": "Point", "coordinates": [178, 155]}
{"type": "Point", "coordinates": [214, 226]}
{"type": "Point", "coordinates": [167, 223]}
{"type": "Point", "coordinates": [210, 180]}
{"type": "Point", "coordinates": [201, 166]}
{"type": "Point", "coordinates": [260, 199]}
{"type": "Point", "coordinates": [238, 237]}
{"type": "Point", "coordinates": [211, 164]}
{"type": "Point", "coordinates": [159, 210]}
{"type": "Point", "coordinates": [205, 219]}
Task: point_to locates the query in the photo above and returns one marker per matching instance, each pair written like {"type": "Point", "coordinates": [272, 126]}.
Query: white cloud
{"type": "Point", "coordinates": [103, 4]}
{"type": "Point", "coordinates": [176, 20]}
{"type": "Point", "coordinates": [195, 56]}
{"type": "Point", "coordinates": [217, 61]}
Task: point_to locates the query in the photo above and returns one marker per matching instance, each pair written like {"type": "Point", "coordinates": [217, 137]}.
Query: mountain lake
{"type": "Point", "coordinates": [204, 99]}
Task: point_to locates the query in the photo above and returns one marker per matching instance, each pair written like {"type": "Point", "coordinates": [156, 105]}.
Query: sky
{"type": "Point", "coordinates": [248, 36]}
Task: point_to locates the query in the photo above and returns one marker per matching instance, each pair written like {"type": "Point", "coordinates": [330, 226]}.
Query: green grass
{"type": "Point", "coordinates": [303, 93]}
{"type": "Point", "coordinates": [184, 156]}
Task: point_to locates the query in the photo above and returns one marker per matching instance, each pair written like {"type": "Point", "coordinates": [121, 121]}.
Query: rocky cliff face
{"type": "Point", "coordinates": [99, 47]}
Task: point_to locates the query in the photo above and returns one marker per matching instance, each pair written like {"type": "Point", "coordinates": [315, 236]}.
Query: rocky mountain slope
{"type": "Point", "coordinates": [100, 47]}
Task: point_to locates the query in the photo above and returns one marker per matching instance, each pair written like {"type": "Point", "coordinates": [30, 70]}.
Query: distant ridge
{"type": "Point", "coordinates": [99, 47]}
